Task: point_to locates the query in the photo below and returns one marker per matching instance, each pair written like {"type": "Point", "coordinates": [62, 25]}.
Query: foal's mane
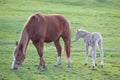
{"type": "Point", "coordinates": [85, 31]}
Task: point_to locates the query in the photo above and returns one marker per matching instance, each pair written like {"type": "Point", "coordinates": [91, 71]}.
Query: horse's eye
{"type": "Point", "coordinates": [18, 55]}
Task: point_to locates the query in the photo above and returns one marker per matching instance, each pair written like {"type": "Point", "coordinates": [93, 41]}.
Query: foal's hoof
{"type": "Point", "coordinates": [85, 64]}
{"type": "Point", "coordinates": [101, 66]}
{"type": "Point", "coordinates": [95, 64]}
{"type": "Point", "coordinates": [57, 65]}
{"type": "Point", "coordinates": [93, 67]}
{"type": "Point", "coordinates": [69, 67]}
{"type": "Point", "coordinates": [15, 68]}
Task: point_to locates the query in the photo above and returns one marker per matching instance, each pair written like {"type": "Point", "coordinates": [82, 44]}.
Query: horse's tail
{"type": "Point", "coordinates": [67, 39]}
{"type": "Point", "coordinates": [64, 52]}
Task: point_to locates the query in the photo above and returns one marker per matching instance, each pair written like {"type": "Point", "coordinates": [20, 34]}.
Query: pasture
{"type": "Point", "coordinates": [92, 15]}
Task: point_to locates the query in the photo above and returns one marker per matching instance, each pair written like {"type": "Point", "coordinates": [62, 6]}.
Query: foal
{"type": "Point", "coordinates": [91, 40]}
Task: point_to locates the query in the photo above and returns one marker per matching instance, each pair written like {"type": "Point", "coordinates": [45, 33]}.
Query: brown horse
{"type": "Point", "coordinates": [43, 28]}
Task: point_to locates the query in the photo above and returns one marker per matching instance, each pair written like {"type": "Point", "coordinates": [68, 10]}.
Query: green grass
{"type": "Point", "coordinates": [93, 15]}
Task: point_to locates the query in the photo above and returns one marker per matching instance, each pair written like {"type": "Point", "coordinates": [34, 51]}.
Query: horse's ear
{"type": "Point", "coordinates": [79, 29]}
{"type": "Point", "coordinates": [16, 43]}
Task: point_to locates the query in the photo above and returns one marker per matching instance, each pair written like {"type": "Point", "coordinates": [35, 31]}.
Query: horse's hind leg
{"type": "Point", "coordinates": [86, 61]}
{"type": "Point", "coordinates": [58, 47]}
{"type": "Point", "coordinates": [93, 56]}
{"type": "Point", "coordinates": [101, 53]}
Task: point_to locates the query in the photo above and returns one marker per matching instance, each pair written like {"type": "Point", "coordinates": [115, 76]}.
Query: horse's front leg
{"type": "Point", "coordinates": [86, 61]}
{"type": "Point", "coordinates": [58, 47]}
{"type": "Point", "coordinates": [39, 46]}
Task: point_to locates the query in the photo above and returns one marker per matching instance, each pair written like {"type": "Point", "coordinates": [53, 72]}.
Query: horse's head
{"type": "Point", "coordinates": [18, 56]}
{"type": "Point", "coordinates": [79, 34]}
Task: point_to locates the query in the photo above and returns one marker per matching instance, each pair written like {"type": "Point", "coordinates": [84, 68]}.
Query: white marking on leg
{"type": "Point", "coordinates": [69, 62]}
{"type": "Point", "coordinates": [59, 60]}
{"type": "Point", "coordinates": [13, 63]}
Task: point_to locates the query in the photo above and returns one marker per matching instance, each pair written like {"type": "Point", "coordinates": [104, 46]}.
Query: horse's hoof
{"type": "Point", "coordinates": [69, 67]}
{"type": "Point", "coordinates": [92, 67]}
{"type": "Point", "coordinates": [15, 68]}
{"type": "Point", "coordinates": [101, 66]}
{"type": "Point", "coordinates": [39, 67]}
{"type": "Point", "coordinates": [85, 64]}
{"type": "Point", "coordinates": [44, 67]}
{"type": "Point", "coordinates": [95, 64]}
{"type": "Point", "coordinates": [56, 65]}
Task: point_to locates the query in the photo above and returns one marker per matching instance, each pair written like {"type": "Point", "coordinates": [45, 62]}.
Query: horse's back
{"type": "Point", "coordinates": [56, 26]}
{"type": "Point", "coordinates": [96, 36]}
{"type": "Point", "coordinates": [48, 27]}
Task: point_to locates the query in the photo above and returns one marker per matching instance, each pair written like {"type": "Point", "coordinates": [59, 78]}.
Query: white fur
{"type": "Point", "coordinates": [69, 61]}
{"type": "Point", "coordinates": [13, 63]}
{"type": "Point", "coordinates": [91, 40]}
{"type": "Point", "coordinates": [59, 60]}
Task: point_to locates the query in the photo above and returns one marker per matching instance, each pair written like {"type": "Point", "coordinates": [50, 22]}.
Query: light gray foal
{"type": "Point", "coordinates": [91, 40]}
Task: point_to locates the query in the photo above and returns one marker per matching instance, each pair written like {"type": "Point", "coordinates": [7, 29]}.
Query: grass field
{"type": "Point", "coordinates": [93, 15]}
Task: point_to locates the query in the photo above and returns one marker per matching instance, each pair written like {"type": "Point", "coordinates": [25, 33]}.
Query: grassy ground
{"type": "Point", "coordinates": [93, 15]}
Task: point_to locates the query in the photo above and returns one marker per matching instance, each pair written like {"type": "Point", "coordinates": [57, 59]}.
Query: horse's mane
{"type": "Point", "coordinates": [83, 30]}
{"type": "Point", "coordinates": [37, 16]}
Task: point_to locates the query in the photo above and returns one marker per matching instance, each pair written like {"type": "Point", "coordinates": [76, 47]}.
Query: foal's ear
{"type": "Point", "coordinates": [77, 30]}
{"type": "Point", "coordinates": [16, 43]}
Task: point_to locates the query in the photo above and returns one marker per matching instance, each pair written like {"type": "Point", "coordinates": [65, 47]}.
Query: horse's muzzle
{"type": "Point", "coordinates": [14, 65]}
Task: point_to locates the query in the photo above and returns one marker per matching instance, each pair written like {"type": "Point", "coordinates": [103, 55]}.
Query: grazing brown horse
{"type": "Point", "coordinates": [43, 28]}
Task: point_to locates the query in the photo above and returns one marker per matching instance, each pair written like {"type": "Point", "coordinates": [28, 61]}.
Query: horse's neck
{"type": "Point", "coordinates": [24, 40]}
{"type": "Point", "coordinates": [87, 36]}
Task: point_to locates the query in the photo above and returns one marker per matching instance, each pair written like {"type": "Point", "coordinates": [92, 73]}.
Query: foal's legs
{"type": "Point", "coordinates": [93, 56]}
{"type": "Point", "coordinates": [101, 53]}
{"type": "Point", "coordinates": [39, 46]}
{"type": "Point", "coordinates": [58, 47]}
{"type": "Point", "coordinates": [86, 62]}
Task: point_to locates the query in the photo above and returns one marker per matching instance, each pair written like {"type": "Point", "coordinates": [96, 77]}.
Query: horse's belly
{"type": "Point", "coordinates": [51, 38]}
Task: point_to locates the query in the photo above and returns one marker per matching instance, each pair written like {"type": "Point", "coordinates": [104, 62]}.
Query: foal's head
{"type": "Point", "coordinates": [79, 34]}
{"type": "Point", "coordinates": [19, 56]}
